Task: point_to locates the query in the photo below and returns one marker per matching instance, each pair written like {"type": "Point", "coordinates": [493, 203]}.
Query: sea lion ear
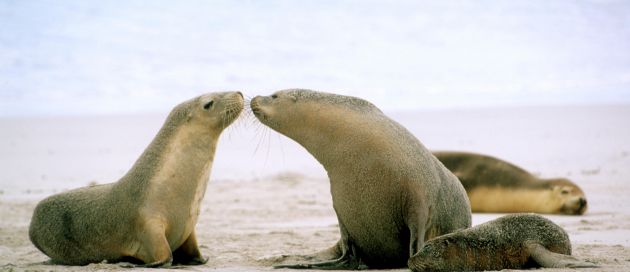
{"type": "Point", "coordinates": [208, 105]}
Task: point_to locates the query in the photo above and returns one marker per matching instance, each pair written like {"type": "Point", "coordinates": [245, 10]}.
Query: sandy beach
{"type": "Point", "coordinates": [267, 196]}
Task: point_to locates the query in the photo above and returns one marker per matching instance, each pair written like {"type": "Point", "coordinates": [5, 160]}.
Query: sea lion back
{"type": "Point", "coordinates": [68, 227]}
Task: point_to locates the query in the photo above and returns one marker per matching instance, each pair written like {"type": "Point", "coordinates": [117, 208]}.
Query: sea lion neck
{"type": "Point", "coordinates": [187, 162]}
{"type": "Point", "coordinates": [173, 147]}
{"type": "Point", "coordinates": [341, 137]}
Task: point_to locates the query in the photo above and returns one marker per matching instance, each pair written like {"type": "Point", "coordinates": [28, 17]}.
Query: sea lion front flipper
{"type": "Point", "coordinates": [344, 263]}
{"type": "Point", "coordinates": [348, 261]}
{"type": "Point", "coordinates": [188, 253]}
{"type": "Point", "coordinates": [344, 256]}
{"type": "Point", "coordinates": [154, 250]}
{"type": "Point", "coordinates": [331, 253]}
{"type": "Point", "coordinates": [546, 258]}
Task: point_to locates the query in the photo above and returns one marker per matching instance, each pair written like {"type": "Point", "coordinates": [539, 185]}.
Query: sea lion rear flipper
{"type": "Point", "coordinates": [188, 253]}
{"type": "Point", "coordinates": [546, 258]}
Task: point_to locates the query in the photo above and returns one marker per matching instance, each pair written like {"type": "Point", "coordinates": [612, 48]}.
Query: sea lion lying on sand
{"type": "Point", "coordinates": [497, 186]}
{"type": "Point", "coordinates": [515, 241]}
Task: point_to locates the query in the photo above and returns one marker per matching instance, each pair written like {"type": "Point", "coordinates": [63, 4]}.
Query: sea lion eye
{"type": "Point", "coordinates": [208, 105]}
{"type": "Point", "coordinates": [274, 96]}
{"type": "Point", "coordinates": [564, 191]}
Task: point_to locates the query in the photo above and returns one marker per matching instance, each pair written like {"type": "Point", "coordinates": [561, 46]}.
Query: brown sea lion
{"type": "Point", "coordinates": [386, 205]}
{"type": "Point", "coordinates": [496, 186]}
{"type": "Point", "coordinates": [514, 241]}
{"type": "Point", "coordinates": [149, 215]}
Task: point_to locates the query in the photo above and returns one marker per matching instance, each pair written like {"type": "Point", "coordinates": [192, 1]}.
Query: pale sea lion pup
{"type": "Point", "coordinates": [496, 186]}
{"type": "Point", "coordinates": [149, 215]}
{"type": "Point", "coordinates": [386, 205]}
{"type": "Point", "coordinates": [514, 241]}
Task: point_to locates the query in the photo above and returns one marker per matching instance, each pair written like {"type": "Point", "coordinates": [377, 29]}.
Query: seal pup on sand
{"type": "Point", "coordinates": [149, 215]}
{"type": "Point", "coordinates": [386, 205]}
{"type": "Point", "coordinates": [514, 241]}
{"type": "Point", "coordinates": [496, 186]}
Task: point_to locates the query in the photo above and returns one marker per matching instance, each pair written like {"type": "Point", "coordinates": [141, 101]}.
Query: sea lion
{"type": "Point", "coordinates": [149, 215]}
{"type": "Point", "coordinates": [386, 205]}
{"type": "Point", "coordinates": [514, 241]}
{"type": "Point", "coordinates": [496, 186]}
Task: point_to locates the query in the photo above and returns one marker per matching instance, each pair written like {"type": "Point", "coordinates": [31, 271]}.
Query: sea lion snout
{"type": "Point", "coordinates": [231, 96]}
{"type": "Point", "coordinates": [583, 204]}
{"type": "Point", "coordinates": [575, 206]}
{"type": "Point", "coordinates": [259, 99]}
{"type": "Point", "coordinates": [255, 105]}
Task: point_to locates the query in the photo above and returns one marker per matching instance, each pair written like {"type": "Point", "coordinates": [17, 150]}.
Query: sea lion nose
{"type": "Point", "coordinates": [582, 201]}
{"type": "Point", "coordinates": [253, 104]}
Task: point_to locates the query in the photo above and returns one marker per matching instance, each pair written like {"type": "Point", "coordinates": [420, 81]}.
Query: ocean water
{"type": "Point", "coordinates": [102, 57]}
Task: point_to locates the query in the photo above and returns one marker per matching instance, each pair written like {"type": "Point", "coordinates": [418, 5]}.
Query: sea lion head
{"type": "Point", "coordinates": [444, 253]}
{"type": "Point", "coordinates": [571, 197]}
{"type": "Point", "coordinates": [208, 112]}
{"type": "Point", "coordinates": [429, 256]}
{"type": "Point", "coordinates": [299, 112]}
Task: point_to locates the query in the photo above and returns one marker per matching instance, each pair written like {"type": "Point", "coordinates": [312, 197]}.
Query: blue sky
{"type": "Point", "coordinates": [102, 57]}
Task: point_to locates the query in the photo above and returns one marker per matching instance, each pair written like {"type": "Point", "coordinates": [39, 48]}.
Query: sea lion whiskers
{"type": "Point", "coordinates": [235, 125]}
{"type": "Point", "coordinates": [261, 133]}
{"type": "Point", "coordinates": [232, 109]}
{"type": "Point", "coordinates": [266, 135]}
{"type": "Point", "coordinates": [249, 114]}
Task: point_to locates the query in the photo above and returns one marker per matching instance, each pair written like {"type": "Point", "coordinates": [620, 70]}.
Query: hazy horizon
{"type": "Point", "coordinates": [76, 57]}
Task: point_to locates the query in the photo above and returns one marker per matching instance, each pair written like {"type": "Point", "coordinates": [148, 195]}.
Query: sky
{"type": "Point", "coordinates": [112, 57]}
